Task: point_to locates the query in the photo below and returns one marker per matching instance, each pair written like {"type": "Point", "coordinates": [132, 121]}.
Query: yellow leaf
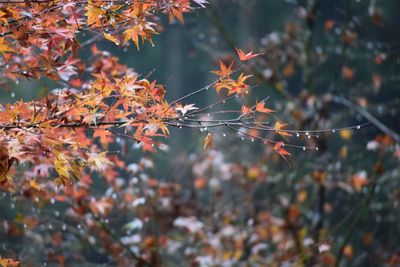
{"type": "Point", "coordinates": [111, 38]}
{"type": "Point", "coordinates": [346, 134]}
{"type": "Point", "coordinates": [33, 184]}
{"type": "Point", "coordinates": [279, 128]}
{"type": "Point", "coordinates": [4, 47]}
{"type": "Point", "coordinates": [61, 166]}
{"type": "Point", "coordinates": [94, 14]}
{"type": "Point", "coordinates": [302, 196]}
{"type": "Point", "coordinates": [348, 251]}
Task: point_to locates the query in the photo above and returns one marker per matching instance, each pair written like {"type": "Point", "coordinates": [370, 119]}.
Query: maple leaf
{"type": "Point", "coordinates": [246, 110]}
{"type": "Point", "coordinates": [94, 14]}
{"type": "Point", "coordinates": [163, 128]}
{"type": "Point", "coordinates": [132, 33]}
{"type": "Point", "coordinates": [278, 147]}
{"type": "Point", "coordinates": [245, 57]}
{"type": "Point", "coordinates": [185, 109]}
{"type": "Point", "coordinates": [208, 141]}
{"type": "Point", "coordinates": [4, 262]}
{"type": "Point", "coordinates": [226, 83]}
{"type": "Point", "coordinates": [176, 8]}
{"type": "Point", "coordinates": [111, 38]}
{"type": "Point", "coordinates": [103, 134]}
{"type": "Point", "coordinates": [224, 71]}
{"type": "Point", "coordinates": [260, 107]}
{"type": "Point", "coordinates": [4, 47]}
{"type": "Point", "coordinates": [239, 86]}
{"type": "Point", "coordinates": [279, 128]}
{"type": "Point", "coordinates": [99, 160]}
{"type": "Point", "coordinates": [61, 164]}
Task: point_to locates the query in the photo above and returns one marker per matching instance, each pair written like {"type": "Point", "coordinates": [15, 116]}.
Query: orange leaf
{"type": "Point", "coordinates": [8, 262]}
{"type": "Point", "coordinates": [103, 134]}
{"type": "Point", "coordinates": [200, 183]}
{"type": "Point", "coordinates": [208, 141]}
{"type": "Point", "coordinates": [225, 70]}
{"type": "Point", "coordinates": [279, 148]}
{"type": "Point", "coordinates": [260, 107]}
{"type": "Point", "coordinates": [348, 73]}
{"type": "Point", "coordinates": [359, 180]}
{"type": "Point", "coordinates": [245, 57]}
{"type": "Point", "coordinates": [279, 129]}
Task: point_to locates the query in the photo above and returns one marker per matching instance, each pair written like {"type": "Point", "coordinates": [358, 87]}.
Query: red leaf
{"type": "Point", "coordinates": [245, 57]}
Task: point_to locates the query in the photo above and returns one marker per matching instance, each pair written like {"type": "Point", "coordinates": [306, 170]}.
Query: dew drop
{"type": "Point", "coordinates": [304, 148]}
{"type": "Point", "coordinates": [358, 127]}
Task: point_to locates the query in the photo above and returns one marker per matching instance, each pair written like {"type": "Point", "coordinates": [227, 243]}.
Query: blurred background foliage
{"type": "Point", "coordinates": [326, 65]}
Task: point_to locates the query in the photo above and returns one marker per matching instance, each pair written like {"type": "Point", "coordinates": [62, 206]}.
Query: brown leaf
{"type": "Point", "coordinates": [208, 141]}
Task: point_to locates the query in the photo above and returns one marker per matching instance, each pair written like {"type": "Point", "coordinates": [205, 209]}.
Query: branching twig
{"type": "Point", "coordinates": [366, 114]}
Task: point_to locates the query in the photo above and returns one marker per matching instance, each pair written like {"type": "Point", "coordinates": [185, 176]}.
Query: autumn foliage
{"type": "Point", "coordinates": [66, 165]}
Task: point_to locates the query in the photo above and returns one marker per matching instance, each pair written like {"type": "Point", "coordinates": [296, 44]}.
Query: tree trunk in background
{"type": "Point", "coordinates": [174, 74]}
